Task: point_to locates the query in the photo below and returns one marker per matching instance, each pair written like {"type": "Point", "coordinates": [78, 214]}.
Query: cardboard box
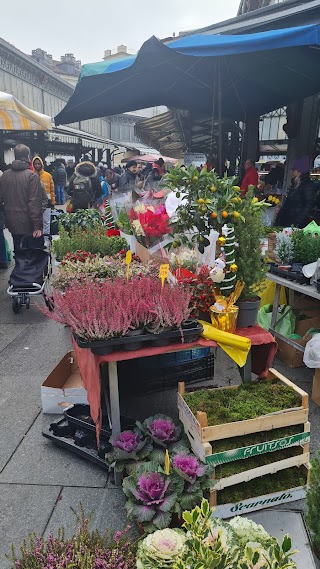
{"type": "Point", "coordinates": [63, 386]}
{"type": "Point", "coordinates": [307, 307]}
{"type": "Point", "coordinates": [156, 254]}
{"type": "Point", "coordinates": [316, 387]}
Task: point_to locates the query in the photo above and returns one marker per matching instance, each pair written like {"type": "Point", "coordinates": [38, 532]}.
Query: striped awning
{"type": "Point", "coordinates": [16, 116]}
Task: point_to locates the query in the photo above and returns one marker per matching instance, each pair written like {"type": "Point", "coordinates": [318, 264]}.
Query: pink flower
{"type": "Point", "coordinates": [152, 488]}
{"type": "Point", "coordinates": [163, 429]}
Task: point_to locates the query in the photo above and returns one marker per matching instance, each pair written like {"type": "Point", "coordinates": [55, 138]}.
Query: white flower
{"type": "Point", "coordinates": [247, 530]}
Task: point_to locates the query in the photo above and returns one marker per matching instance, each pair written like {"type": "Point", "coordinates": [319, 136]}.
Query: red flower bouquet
{"type": "Point", "coordinates": [149, 223]}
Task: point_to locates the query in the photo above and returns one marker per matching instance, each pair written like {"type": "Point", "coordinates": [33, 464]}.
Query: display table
{"type": "Point", "coordinates": [263, 348]}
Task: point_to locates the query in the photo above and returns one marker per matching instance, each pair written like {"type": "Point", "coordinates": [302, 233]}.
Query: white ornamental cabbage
{"type": "Point", "coordinates": [161, 549]}
{"type": "Point", "coordinates": [247, 530]}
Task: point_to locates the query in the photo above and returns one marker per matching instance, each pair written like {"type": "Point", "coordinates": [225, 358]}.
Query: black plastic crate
{"type": "Point", "coordinates": [149, 379]}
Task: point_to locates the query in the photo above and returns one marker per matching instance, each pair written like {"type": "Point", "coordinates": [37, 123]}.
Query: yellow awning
{"type": "Point", "coordinates": [16, 116]}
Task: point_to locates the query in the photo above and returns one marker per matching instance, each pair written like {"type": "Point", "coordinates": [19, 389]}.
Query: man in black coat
{"type": "Point", "coordinates": [299, 207]}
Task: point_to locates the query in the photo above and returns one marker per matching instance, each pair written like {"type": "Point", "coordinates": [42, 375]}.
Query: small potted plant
{"type": "Point", "coordinates": [284, 250]}
{"type": "Point", "coordinates": [250, 267]}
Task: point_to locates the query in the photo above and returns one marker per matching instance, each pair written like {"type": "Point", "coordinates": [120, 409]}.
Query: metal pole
{"type": "Point", "coordinates": [219, 122]}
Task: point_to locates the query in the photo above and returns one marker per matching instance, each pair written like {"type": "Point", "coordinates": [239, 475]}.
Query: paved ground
{"type": "Point", "coordinates": [39, 482]}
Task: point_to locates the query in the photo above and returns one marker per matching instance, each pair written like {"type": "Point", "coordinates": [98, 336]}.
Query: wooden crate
{"type": "Point", "coordinates": [272, 242]}
{"type": "Point", "coordinates": [202, 436]}
{"type": "Point", "coordinates": [259, 502]}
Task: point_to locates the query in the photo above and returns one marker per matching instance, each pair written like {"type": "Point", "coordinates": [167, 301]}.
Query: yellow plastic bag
{"type": "Point", "coordinates": [237, 347]}
{"type": "Point", "coordinates": [267, 295]}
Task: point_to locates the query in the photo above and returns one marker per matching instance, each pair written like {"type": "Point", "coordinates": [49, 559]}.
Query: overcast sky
{"type": "Point", "coordinates": [87, 28]}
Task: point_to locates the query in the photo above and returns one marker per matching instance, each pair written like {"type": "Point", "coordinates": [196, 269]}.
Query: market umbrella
{"type": "Point", "coordinates": [254, 74]}
{"type": "Point", "coordinates": [16, 116]}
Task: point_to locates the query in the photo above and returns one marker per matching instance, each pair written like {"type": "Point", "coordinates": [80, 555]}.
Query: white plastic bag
{"type": "Point", "coordinates": [311, 355]}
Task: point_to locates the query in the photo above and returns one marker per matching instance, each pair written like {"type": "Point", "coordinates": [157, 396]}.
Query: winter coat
{"type": "Point", "coordinates": [89, 170]}
{"type": "Point", "coordinates": [47, 180]}
{"type": "Point", "coordinates": [127, 181]}
{"type": "Point", "coordinates": [299, 207]}
{"type": "Point", "coordinates": [251, 179]}
{"type": "Point", "coordinates": [60, 177]}
{"type": "Point", "coordinates": [22, 195]}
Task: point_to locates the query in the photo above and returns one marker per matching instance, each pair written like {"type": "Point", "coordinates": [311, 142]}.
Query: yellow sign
{"type": "Point", "coordinates": [167, 463]}
{"type": "Point", "coordinates": [128, 261]}
{"type": "Point", "coordinates": [163, 272]}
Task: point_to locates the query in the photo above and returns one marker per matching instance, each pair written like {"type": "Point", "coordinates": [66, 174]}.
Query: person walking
{"type": "Point", "coordinates": [251, 177]}
{"type": "Point", "coordinates": [84, 186]}
{"type": "Point", "coordinates": [60, 182]}
{"type": "Point", "coordinates": [299, 206]}
{"type": "Point", "coordinates": [47, 181]}
{"type": "Point", "coordinates": [21, 197]}
{"type": "Point", "coordinates": [3, 248]}
{"type": "Point", "coordinates": [112, 179]}
{"type": "Point", "coordinates": [128, 180]}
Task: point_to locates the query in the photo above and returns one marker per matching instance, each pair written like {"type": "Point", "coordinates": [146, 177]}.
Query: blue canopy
{"type": "Point", "coordinates": [255, 73]}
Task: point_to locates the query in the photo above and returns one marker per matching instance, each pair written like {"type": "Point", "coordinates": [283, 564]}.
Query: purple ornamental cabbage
{"type": "Point", "coordinates": [188, 465]}
{"type": "Point", "coordinates": [162, 429]}
{"type": "Point", "coordinates": [152, 497]}
{"type": "Point", "coordinates": [127, 440]}
{"type": "Point", "coordinates": [129, 449]}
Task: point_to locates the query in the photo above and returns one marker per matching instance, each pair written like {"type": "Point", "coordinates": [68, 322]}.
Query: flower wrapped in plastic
{"type": "Point", "coordinates": [119, 204]}
{"type": "Point", "coordinates": [149, 222]}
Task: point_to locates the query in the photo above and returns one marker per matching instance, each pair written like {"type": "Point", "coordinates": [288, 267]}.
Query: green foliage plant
{"type": "Point", "coordinates": [93, 240]}
{"type": "Point", "coordinates": [84, 218]}
{"type": "Point", "coordinates": [284, 251]}
{"type": "Point", "coordinates": [251, 269]}
{"type": "Point", "coordinates": [306, 247]}
{"type": "Point", "coordinates": [209, 203]}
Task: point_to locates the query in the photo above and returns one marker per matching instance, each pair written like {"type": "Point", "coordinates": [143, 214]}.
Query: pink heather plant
{"type": "Point", "coordinates": [110, 309]}
{"type": "Point", "coordinates": [83, 550]}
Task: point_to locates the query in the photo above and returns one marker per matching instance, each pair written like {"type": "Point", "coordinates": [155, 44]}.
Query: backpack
{"type": "Point", "coordinates": [83, 196]}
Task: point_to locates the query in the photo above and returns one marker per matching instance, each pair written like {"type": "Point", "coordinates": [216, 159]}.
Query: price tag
{"type": "Point", "coordinates": [128, 261]}
{"type": "Point", "coordinates": [163, 272]}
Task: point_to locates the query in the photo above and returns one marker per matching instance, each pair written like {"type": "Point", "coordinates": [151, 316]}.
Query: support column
{"type": "Point", "coordinates": [250, 147]}
{"type": "Point", "coordinates": [1, 147]}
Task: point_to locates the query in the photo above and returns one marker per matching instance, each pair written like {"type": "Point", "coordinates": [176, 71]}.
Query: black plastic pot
{"type": "Point", "coordinates": [248, 313]}
{"type": "Point", "coordinates": [297, 267]}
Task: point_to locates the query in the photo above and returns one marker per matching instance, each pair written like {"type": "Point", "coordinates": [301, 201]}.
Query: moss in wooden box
{"type": "Point", "coordinates": [255, 438]}
{"type": "Point", "coordinates": [230, 468]}
{"type": "Point", "coordinates": [247, 401]}
{"type": "Point", "coordinates": [268, 484]}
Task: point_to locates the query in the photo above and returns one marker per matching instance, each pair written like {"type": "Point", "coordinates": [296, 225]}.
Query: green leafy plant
{"type": "Point", "coordinates": [209, 203]}
{"type": "Point", "coordinates": [215, 544]}
{"type": "Point", "coordinates": [313, 503]}
{"type": "Point", "coordinates": [251, 269]}
{"type": "Point", "coordinates": [93, 240]}
{"type": "Point", "coordinates": [284, 250]}
{"type": "Point", "coordinates": [306, 247]}
{"type": "Point", "coordinates": [84, 218]}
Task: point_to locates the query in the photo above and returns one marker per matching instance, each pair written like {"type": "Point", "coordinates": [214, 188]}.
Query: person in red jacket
{"type": "Point", "coordinates": [251, 177]}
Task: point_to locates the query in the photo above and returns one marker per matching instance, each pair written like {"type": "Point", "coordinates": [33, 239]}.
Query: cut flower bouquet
{"type": "Point", "coordinates": [150, 222]}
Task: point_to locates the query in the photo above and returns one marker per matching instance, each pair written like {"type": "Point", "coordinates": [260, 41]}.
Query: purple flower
{"type": "Point", "coordinates": [152, 488]}
{"type": "Point", "coordinates": [163, 429]}
{"type": "Point", "coordinates": [128, 441]}
{"type": "Point", "coordinates": [189, 465]}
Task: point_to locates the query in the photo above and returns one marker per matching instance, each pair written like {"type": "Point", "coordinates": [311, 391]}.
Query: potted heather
{"type": "Point", "coordinates": [250, 266]}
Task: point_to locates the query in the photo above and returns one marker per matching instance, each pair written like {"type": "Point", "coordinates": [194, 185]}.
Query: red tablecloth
{"type": "Point", "coordinates": [263, 350]}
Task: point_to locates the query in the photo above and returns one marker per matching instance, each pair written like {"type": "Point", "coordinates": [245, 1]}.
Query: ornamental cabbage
{"type": "Point", "coordinates": [161, 429]}
{"type": "Point", "coordinates": [188, 466]}
{"type": "Point", "coordinates": [161, 550]}
{"type": "Point", "coordinates": [247, 530]}
{"type": "Point", "coordinates": [152, 497]}
{"type": "Point", "coordinates": [129, 449]}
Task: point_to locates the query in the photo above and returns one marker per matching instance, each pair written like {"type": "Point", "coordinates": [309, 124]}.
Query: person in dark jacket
{"type": "Point", "coordinates": [85, 171]}
{"type": "Point", "coordinates": [60, 182]}
{"type": "Point", "coordinates": [299, 207]}
{"type": "Point", "coordinates": [127, 180]}
{"type": "Point", "coordinates": [21, 196]}
{"type": "Point", "coordinates": [112, 179]}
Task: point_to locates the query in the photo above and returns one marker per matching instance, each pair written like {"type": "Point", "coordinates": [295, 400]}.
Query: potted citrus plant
{"type": "Point", "coordinates": [250, 267]}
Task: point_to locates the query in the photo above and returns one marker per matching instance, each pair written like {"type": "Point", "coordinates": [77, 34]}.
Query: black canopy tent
{"type": "Point", "coordinates": [254, 73]}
